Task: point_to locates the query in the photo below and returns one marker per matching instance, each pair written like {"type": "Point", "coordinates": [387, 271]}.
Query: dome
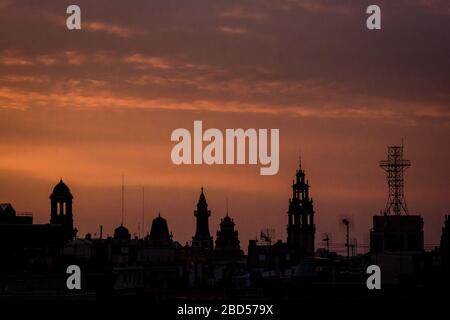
{"type": "Point", "coordinates": [159, 230]}
{"type": "Point", "coordinates": [122, 233]}
{"type": "Point", "coordinates": [61, 190]}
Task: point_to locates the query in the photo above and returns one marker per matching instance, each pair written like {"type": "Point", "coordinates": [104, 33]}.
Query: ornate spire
{"type": "Point", "coordinates": [202, 198]}
{"type": "Point", "coordinates": [202, 236]}
{"type": "Point", "coordinates": [300, 160]}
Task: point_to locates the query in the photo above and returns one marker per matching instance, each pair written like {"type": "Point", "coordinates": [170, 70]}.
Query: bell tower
{"type": "Point", "coordinates": [301, 229]}
{"type": "Point", "coordinates": [61, 207]}
{"type": "Point", "coordinates": [202, 238]}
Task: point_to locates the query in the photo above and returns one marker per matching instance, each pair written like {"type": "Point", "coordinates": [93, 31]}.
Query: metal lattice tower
{"type": "Point", "coordinates": [394, 166]}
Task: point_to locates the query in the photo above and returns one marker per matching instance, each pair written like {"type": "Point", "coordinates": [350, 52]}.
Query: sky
{"type": "Point", "coordinates": [91, 105]}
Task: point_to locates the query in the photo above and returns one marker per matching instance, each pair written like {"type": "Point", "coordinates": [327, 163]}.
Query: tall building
{"type": "Point", "coordinates": [300, 233]}
{"type": "Point", "coordinates": [301, 229]}
{"type": "Point", "coordinates": [396, 238]}
{"type": "Point", "coordinates": [202, 238]}
{"type": "Point", "coordinates": [227, 242]}
{"type": "Point", "coordinates": [28, 246]}
{"type": "Point", "coordinates": [396, 230]}
{"type": "Point", "coordinates": [61, 208]}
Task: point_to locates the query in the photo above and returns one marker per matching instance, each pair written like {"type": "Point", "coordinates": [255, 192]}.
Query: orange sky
{"type": "Point", "coordinates": [90, 105]}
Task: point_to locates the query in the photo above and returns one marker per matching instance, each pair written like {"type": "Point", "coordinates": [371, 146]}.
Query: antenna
{"type": "Point", "coordinates": [354, 246]}
{"type": "Point", "coordinates": [226, 199]}
{"type": "Point", "coordinates": [346, 222]}
{"type": "Point", "coordinates": [123, 189]}
{"type": "Point", "coordinates": [267, 235]}
{"type": "Point", "coordinates": [394, 166]}
{"type": "Point", "coordinates": [326, 238]}
{"type": "Point", "coordinates": [143, 210]}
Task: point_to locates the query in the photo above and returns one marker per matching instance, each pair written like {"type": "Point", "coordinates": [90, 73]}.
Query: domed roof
{"type": "Point", "coordinates": [122, 233]}
{"type": "Point", "coordinates": [227, 220]}
{"type": "Point", "coordinates": [61, 190]}
{"type": "Point", "coordinates": [159, 230]}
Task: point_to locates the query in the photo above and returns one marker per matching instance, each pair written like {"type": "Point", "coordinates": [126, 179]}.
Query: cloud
{"type": "Point", "coordinates": [95, 95]}
{"type": "Point", "coordinates": [319, 6]}
{"type": "Point", "coordinates": [112, 29]}
{"type": "Point", "coordinates": [148, 62]}
{"type": "Point", "coordinates": [297, 64]}
{"type": "Point", "coordinates": [232, 30]}
{"type": "Point", "coordinates": [241, 13]}
{"type": "Point", "coordinates": [10, 57]}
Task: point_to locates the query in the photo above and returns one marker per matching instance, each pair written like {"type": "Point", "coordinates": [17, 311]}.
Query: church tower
{"type": "Point", "coordinates": [202, 238]}
{"type": "Point", "coordinates": [301, 229]}
{"type": "Point", "coordinates": [61, 208]}
{"type": "Point", "coordinates": [227, 237]}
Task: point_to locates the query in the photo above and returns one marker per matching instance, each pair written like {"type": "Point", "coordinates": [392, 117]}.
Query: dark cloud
{"type": "Point", "coordinates": [292, 42]}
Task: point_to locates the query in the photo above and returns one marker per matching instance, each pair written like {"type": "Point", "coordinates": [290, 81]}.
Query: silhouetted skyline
{"type": "Point", "coordinates": [88, 106]}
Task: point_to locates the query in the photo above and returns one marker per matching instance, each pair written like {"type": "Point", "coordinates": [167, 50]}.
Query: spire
{"type": "Point", "coordinates": [202, 198]}
{"type": "Point", "coordinates": [202, 236]}
{"type": "Point", "coordinates": [299, 160]}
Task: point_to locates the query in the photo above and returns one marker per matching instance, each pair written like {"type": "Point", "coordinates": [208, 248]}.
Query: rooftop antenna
{"type": "Point", "coordinates": [394, 166]}
{"type": "Point", "coordinates": [143, 210]}
{"type": "Point", "coordinates": [354, 246]}
{"type": "Point", "coordinates": [326, 239]}
{"type": "Point", "coordinates": [346, 222]}
{"type": "Point", "coordinates": [123, 189]}
{"type": "Point", "coordinates": [226, 199]}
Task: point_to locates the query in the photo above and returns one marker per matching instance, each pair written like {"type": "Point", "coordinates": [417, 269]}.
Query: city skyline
{"type": "Point", "coordinates": [336, 241]}
{"type": "Point", "coordinates": [90, 105]}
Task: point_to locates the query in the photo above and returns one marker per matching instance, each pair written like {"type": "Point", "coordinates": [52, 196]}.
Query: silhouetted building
{"type": "Point", "coordinates": [61, 208]}
{"type": "Point", "coordinates": [396, 238]}
{"type": "Point", "coordinates": [227, 241]}
{"type": "Point", "coordinates": [397, 234]}
{"type": "Point", "coordinates": [159, 232]}
{"type": "Point", "coordinates": [9, 216]}
{"type": "Point", "coordinates": [34, 248]}
{"type": "Point", "coordinates": [34, 257]}
{"type": "Point", "coordinates": [301, 229]}
{"type": "Point", "coordinates": [202, 238]}
{"type": "Point", "coordinates": [19, 230]}
{"type": "Point", "coordinates": [121, 233]}
{"type": "Point", "coordinates": [445, 243]}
